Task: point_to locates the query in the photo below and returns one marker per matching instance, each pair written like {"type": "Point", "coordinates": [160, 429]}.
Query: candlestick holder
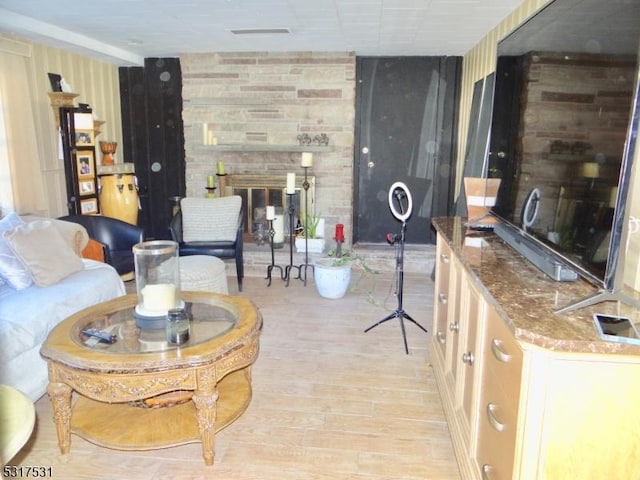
{"type": "Point", "coordinates": [304, 266]}
{"type": "Point", "coordinates": [222, 182]}
{"type": "Point", "coordinates": [292, 210]}
{"type": "Point", "coordinates": [273, 265]}
{"type": "Point", "coordinates": [211, 192]}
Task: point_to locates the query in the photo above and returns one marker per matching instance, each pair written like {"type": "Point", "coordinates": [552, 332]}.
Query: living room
{"type": "Point", "coordinates": [351, 445]}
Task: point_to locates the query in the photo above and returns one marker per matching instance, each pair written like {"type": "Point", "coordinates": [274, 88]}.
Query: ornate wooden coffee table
{"type": "Point", "coordinates": [140, 393]}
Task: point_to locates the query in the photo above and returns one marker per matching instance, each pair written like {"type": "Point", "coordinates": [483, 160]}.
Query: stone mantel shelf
{"type": "Point", "coordinates": [267, 148]}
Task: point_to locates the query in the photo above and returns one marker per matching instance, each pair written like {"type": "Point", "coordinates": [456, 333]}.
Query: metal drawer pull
{"type": "Point", "coordinates": [454, 327]}
{"type": "Point", "coordinates": [444, 258]}
{"type": "Point", "coordinates": [498, 351]}
{"type": "Point", "coordinates": [486, 469]}
{"type": "Point", "coordinates": [468, 358]}
{"type": "Point", "coordinates": [442, 298]}
{"type": "Point", "coordinates": [441, 337]}
{"type": "Point", "coordinates": [493, 421]}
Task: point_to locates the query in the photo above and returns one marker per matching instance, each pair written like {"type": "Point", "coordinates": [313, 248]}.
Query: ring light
{"type": "Point", "coordinates": [530, 210]}
{"type": "Point", "coordinates": [402, 216]}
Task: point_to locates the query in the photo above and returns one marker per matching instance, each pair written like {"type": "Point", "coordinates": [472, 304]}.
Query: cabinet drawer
{"type": "Point", "coordinates": [499, 399]}
{"type": "Point", "coordinates": [442, 296]}
{"type": "Point", "coordinates": [503, 356]}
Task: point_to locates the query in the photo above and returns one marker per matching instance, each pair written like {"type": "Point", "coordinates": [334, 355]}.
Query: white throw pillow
{"type": "Point", "coordinates": [12, 271]}
{"type": "Point", "coordinates": [210, 219]}
{"type": "Point", "coordinates": [43, 251]}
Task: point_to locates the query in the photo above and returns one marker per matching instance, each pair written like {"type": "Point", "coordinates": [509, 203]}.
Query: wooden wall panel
{"type": "Point", "coordinates": [96, 83]}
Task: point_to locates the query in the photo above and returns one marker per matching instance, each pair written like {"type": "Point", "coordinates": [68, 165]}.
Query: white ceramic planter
{"type": "Point", "coordinates": [331, 282]}
{"type": "Point", "coordinates": [316, 245]}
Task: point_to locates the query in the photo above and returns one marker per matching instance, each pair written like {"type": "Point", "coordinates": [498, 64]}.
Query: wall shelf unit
{"type": "Point", "coordinates": [266, 148]}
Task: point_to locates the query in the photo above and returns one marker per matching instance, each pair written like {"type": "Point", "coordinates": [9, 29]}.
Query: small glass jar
{"type": "Point", "coordinates": [177, 326]}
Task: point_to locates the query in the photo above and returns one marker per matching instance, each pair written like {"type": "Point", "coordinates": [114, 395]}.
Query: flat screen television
{"type": "Point", "coordinates": [563, 132]}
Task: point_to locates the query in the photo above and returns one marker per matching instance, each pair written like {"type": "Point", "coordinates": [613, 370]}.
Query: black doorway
{"type": "Point", "coordinates": [406, 115]}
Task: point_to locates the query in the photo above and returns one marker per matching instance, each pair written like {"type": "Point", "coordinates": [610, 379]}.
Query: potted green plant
{"type": "Point", "coordinates": [312, 239]}
{"type": "Point", "coordinates": [332, 274]}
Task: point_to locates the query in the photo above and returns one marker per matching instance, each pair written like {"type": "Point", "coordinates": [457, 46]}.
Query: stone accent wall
{"type": "Point", "coordinates": [254, 100]}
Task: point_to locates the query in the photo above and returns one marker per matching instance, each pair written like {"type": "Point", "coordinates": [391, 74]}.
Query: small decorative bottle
{"type": "Point", "coordinates": [177, 326]}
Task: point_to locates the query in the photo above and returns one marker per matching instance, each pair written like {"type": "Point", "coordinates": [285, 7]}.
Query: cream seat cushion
{"type": "Point", "coordinates": [203, 273]}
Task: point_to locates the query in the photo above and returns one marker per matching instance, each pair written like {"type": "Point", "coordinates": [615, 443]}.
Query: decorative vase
{"type": "Point", "coordinates": [108, 151]}
{"type": "Point", "coordinates": [331, 281]}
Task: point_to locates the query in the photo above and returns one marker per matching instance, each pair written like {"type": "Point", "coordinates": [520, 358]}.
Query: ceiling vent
{"type": "Point", "coordinates": [259, 31]}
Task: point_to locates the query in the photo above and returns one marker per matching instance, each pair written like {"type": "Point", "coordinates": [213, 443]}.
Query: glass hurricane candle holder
{"type": "Point", "coordinates": [157, 282]}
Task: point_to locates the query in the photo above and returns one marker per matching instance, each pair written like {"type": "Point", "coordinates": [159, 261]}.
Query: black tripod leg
{"type": "Point", "coordinates": [408, 317]}
{"type": "Point", "coordinates": [404, 334]}
{"type": "Point", "coordinates": [388, 317]}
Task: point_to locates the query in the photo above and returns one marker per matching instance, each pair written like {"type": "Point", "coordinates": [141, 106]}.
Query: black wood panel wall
{"type": "Point", "coordinates": [153, 137]}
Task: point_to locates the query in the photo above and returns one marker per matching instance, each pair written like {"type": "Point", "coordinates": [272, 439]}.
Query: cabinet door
{"type": "Point", "coordinates": [442, 301]}
{"type": "Point", "coordinates": [471, 321]}
{"type": "Point", "coordinates": [454, 324]}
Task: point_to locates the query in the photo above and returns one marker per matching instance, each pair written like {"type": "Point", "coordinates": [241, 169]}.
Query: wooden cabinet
{"type": "Point", "coordinates": [458, 320]}
{"type": "Point", "coordinates": [517, 409]}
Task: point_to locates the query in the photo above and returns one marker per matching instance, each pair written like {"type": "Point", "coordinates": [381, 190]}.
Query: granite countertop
{"type": "Point", "coordinates": [526, 298]}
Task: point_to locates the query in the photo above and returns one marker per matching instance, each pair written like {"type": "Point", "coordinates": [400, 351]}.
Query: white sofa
{"type": "Point", "coordinates": [28, 314]}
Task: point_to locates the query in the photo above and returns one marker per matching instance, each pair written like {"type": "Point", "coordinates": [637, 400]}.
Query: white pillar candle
{"type": "Point", "coordinates": [159, 297]}
{"type": "Point", "coordinates": [278, 228]}
{"type": "Point", "coordinates": [307, 159]}
{"type": "Point", "coordinates": [271, 212]}
{"type": "Point", "coordinates": [291, 183]}
{"type": "Point", "coordinates": [205, 133]}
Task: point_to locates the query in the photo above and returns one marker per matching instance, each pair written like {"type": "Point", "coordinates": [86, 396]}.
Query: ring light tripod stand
{"type": "Point", "coordinates": [398, 193]}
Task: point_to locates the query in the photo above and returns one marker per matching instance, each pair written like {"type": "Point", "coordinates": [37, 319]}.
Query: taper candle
{"type": "Point", "coordinates": [307, 159]}
{"type": "Point", "coordinates": [291, 183]}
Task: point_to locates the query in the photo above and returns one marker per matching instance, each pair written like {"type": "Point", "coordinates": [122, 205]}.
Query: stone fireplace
{"type": "Point", "coordinates": [249, 109]}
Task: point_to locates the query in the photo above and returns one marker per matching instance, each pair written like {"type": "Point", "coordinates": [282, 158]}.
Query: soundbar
{"type": "Point", "coordinates": [536, 254]}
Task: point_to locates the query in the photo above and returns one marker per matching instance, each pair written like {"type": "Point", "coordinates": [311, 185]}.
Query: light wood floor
{"type": "Point", "coordinates": [329, 401]}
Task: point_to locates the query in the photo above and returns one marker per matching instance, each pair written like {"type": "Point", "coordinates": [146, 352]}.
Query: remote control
{"type": "Point", "coordinates": [101, 335]}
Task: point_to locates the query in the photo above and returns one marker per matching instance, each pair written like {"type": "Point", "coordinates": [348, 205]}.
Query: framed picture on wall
{"type": "Point", "coordinates": [87, 187]}
{"type": "Point", "coordinates": [89, 206]}
{"type": "Point", "coordinates": [85, 164]}
{"type": "Point", "coordinates": [85, 138]}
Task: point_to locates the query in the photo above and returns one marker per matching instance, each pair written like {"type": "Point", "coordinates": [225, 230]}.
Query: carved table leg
{"type": "Point", "coordinates": [60, 394]}
{"type": "Point", "coordinates": [206, 409]}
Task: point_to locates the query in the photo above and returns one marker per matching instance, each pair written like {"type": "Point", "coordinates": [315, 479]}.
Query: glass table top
{"type": "Point", "coordinates": [207, 321]}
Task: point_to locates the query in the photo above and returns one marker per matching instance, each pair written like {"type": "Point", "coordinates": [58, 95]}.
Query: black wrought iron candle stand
{"type": "Point", "coordinates": [303, 266]}
{"type": "Point", "coordinates": [291, 266]}
{"type": "Point", "coordinates": [273, 265]}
